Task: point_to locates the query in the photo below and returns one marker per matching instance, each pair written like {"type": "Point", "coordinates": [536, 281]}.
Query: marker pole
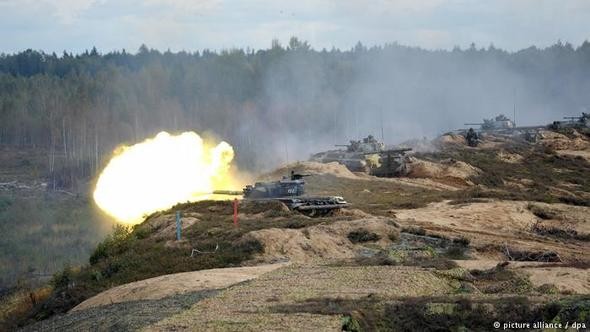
{"type": "Point", "coordinates": [178, 225]}
{"type": "Point", "coordinates": [236, 212]}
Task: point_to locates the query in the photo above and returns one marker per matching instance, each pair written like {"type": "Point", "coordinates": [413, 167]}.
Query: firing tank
{"type": "Point", "coordinates": [367, 156]}
{"type": "Point", "coordinates": [291, 192]}
{"type": "Point", "coordinates": [499, 123]}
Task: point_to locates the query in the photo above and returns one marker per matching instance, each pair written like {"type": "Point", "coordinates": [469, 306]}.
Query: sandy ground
{"type": "Point", "coordinates": [511, 158]}
{"type": "Point", "coordinates": [263, 304]}
{"type": "Point", "coordinates": [566, 279]}
{"type": "Point", "coordinates": [311, 167]}
{"type": "Point", "coordinates": [508, 223]}
{"type": "Point", "coordinates": [575, 153]}
{"type": "Point", "coordinates": [500, 222]}
{"type": "Point", "coordinates": [179, 283]}
{"type": "Point", "coordinates": [445, 169]}
{"type": "Point", "coordinates": [557, 141]}
{"type": "Point", "coordinates": [324, 241]}
{"type": "Point", "coordinates": [422, 183]}
{"type": "Point", "coordinates": [450, 175]}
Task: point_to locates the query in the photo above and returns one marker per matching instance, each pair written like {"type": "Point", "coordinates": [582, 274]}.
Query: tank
{"type": "Point", "coordinates": [576, 122]}
{"type": "Point", "coordinates": [367, 156]}
{"type": "Point", "coordinates": [500, 122]}
{"type": "Point", "coordinates": [291, 191]}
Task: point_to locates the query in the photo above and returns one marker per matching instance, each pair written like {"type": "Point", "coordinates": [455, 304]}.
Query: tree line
{"type": "Point", "coordinates": [280, 100]}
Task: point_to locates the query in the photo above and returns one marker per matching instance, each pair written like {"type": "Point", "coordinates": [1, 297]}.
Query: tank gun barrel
{"type": "Point", "coordinates": [228, 192]}
{"type": "Point", "coordinates": [473, 124]}
{"type": "Point", "coordinates": [344, 145]}
{"type": "Point", "coordinates": [393, 151]}
{"type": "Point", "coordinates": [572, 117]}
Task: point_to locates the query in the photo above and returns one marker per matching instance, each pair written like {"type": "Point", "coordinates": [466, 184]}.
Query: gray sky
{"type": "Point", "coordinates": [76, 25]}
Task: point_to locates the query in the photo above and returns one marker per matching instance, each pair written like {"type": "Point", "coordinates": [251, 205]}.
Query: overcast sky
{"type": "Point", "coordinates": [76, 25]}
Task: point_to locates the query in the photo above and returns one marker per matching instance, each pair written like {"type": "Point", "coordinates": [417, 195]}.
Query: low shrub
{"type": "Point", "coordinates": [541, 212]}
{"type": "Point", "coordinates": [414, 230]}
{"type": "Point", "coordinates": [362, 235]}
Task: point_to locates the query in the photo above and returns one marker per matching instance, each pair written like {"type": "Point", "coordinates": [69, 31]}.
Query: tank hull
{"type": "Point", "coordinates": [312, 206]}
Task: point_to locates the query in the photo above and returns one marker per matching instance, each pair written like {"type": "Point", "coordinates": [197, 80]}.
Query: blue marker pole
{"type": "Point", "coordinates": [178, 225]}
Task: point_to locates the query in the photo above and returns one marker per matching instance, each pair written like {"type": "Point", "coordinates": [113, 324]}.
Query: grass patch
{"type": "Point", "coordinates": [456, 313]}
{"type": "Point", "coordinates": [543, 170]}
{"type": "Point", "coordinates": [362, 235]}
{"type": "Point", "coordinates": [416, 230]}
{"type": "Point", "coordinates": [557, 232]}
{"type": "Point", "coordinates": [531, 256]}
{"type": "Point", "coordinates": [467, 200]}
{"type": "Point", "coordinates": [131, 254]}
{"type": "Point", "coordinates": [378, 197]}
{"type": "Point", "coordinates": [426, 259]}
{"type": "Point", "coordinates": [541, 212]}
{"type": "Point", "coordinates": [499, 280]}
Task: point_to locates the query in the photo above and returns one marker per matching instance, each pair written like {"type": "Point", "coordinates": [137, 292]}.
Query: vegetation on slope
{"type": "Point", "coordinates": [541, 176]}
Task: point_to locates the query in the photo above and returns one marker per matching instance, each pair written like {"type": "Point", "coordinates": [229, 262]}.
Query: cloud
{"type": "Point", "coordinates": [196, 24]}
{"type": "Point", "coordinates": [66, 11]}
{"type": "Point", "coordinates": [185, 6]}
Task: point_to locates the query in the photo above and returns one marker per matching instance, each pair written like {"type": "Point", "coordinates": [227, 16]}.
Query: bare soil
{"type": "Point", "coordinates": [495, 224]}
{"type": "Point", "coordinates": [253, 306]}
{"type": "Point", "coordinates": [173, 284]}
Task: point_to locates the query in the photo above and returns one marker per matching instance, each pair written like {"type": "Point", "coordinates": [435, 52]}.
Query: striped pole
{"type": "Point", "coordinates": [178, 225]}
{"type": "Point", "coordinates": [236, 212]}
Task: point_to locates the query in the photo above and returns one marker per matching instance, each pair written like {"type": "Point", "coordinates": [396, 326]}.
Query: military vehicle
{"type": "Point", "coordinates": [472, 138]}
{"type": "Point", "coordinates": [367, 156]}
{"type": "Point", "coordinates": [291, 192]}
{"type": "Point", "coordinates": [500, 125]}
{"type": "Point", "coordinates": [573, 122]}
{"type": "Point", "coordinates": [500, 122]}
{"type": "Point", "coordinates": [390, 163]}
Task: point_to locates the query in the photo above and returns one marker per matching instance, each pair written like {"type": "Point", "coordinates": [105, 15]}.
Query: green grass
{"type": "Point", "coordinates": [374, 196]}
{"type": "Point", "coordinates": [43, 232]}
{"type": "Point", "coordinates": [446, 313]}
{"type": "Point", "coordinates": [131, 254]}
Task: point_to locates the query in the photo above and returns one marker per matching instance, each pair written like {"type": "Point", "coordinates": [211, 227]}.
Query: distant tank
{"type": "Point", "coordinates": [500, 122]}
{"type": "Point", "coordinates": [573, 122]}
{"type": "Point", "coordinates": [367, 156]}
{"type": "Point", "coordinates": [472, 138]}
{"type": "Point", "coordinates": [291, 192]}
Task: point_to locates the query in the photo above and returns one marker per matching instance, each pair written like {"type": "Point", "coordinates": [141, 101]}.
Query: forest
{"type": "Point", "coordinates": [276, 104]}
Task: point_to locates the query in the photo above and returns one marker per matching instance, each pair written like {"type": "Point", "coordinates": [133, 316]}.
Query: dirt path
{"type": "Point", "coordinates": [179, 283]}
{"type": "Point", "coordinates": [277, 301]}
{"type": "Point", "coordinates": [125, 316]}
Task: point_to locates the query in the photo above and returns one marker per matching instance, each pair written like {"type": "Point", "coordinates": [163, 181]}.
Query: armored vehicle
{"type": "Point", "coordinates": [390, 163]}
{"type": "Point", "coordinates": [368, 156]}
{"type": "Point", "coordinates": [291, 192]}
{"type": "Point", "coordinates": [501, 122]}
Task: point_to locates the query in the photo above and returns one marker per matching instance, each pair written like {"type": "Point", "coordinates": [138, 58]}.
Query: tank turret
{"type": "Point", "coordinates": [367, 156]}
{"type": "Point", "coordinates": [291, 191]}
{"type": "Point", "coordinates": [500, 122]}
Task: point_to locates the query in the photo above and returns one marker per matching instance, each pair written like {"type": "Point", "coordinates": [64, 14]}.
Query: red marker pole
{"type": "Point", "coordinates": [236, 212]}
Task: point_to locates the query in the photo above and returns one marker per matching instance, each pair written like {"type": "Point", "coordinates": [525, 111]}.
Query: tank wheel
{"type": "Point", "coordinates": [311, 213]}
